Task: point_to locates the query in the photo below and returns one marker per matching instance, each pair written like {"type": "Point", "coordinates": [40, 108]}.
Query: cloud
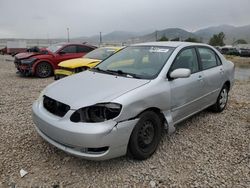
{"type": "Point", "coordinates": [38, 19]}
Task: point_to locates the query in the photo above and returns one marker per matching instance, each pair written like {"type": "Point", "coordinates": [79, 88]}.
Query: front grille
{"type": "Point", "coordinates": [55, 107]}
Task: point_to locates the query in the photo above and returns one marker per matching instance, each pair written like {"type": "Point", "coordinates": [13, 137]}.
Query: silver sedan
{"type": "Point", "coordinates": [123, 104]}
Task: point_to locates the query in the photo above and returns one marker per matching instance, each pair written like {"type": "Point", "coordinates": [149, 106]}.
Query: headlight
{"type": "Point", "coordinates": [97, 113]}
{"type": "Point", "coordinates": [28, 61]}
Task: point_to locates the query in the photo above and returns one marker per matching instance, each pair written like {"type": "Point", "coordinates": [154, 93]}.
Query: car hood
{"type": "Point", "coordinates": [79, 62]}
{"type": "Point", "coordinates": [89, 88]}
{"type": "Point", "coordinates": [26, 55]}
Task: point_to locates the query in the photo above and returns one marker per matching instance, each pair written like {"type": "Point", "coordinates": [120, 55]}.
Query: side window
{"type": "Point", "coordinates": [186, 59]}
{"type": "Point", "coordinates": [69, 49]}
{"type": "Point", "coordinates": [208, 58]}
{"type": "Point", "coordinates": [84, 49]}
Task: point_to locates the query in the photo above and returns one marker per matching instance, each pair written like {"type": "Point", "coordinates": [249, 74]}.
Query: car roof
{"type": "Point", "coordinates": [70, 43]}
{"type": "Point", "coordinates": [173, 44]}
{"type": "Point", "coordinates": [113, 47]}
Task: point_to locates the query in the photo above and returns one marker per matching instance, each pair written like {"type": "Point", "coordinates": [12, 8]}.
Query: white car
{"type": "Point", "coordinates": [122, 105]}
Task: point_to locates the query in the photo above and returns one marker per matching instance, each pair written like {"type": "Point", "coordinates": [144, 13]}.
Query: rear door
{"type": "Point", "coordinates": [186, 93]}
{"type": "Point", "coordinates": [213, 73]}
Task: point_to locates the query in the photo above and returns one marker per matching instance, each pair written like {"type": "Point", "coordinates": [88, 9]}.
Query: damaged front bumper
{"type": "Point", "coordinates": [24, 68]}
{"type": "Point", "coordinates": [94, 141]}
{"type": "Point", "coordinates": [61, 73]}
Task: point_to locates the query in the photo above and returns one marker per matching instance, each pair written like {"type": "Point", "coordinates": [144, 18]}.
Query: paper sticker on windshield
{"type": "Point", "coordinates": [158, 50]}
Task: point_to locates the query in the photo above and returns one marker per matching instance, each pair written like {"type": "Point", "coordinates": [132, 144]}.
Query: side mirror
{"type": "Point", "coordinates": [61, 52]}
{"type": "Point", "coordinates": [180, 73]}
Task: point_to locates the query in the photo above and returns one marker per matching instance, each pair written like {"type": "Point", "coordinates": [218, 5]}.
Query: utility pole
{"type": "Point", "coordinates": [100, 39]}
{"type": "Point", "coordinates": [68, 33]}
{"type": "Point", "coordinates": [156, 32]}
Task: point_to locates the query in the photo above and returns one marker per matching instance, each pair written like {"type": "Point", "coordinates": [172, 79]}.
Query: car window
{"type": "Point", "coordinates": [186, 59]}
{"type": "Point", "coordinates": [100, 53]}
{"type": "Point", "coordinates": [84, 49]}
{"type": "Point", "coordinates": [69, 49]}
{"type": "Point", "coordinates": [143, 61]}
{"type": "Point", "coordinates": [54, 48]}
{"type": "Point", "coordinates": [208, 58]}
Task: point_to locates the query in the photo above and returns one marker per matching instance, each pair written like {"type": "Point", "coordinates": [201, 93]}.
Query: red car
{"type": "Point", "coordinates": [43, 63]}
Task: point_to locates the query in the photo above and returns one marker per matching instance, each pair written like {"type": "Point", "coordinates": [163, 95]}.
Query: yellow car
{"type": "Point", "coordinates": [90, 60]}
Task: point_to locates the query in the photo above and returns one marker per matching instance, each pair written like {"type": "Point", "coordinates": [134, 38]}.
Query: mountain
{"type": "Point", "coordinates": [170, 33]}
{"type": "Point", "coordinates": [113, 37]}
{"type": "Point", "coordinates": [119, 36]}
{"type": "Point", "coordinates": [232, 33]}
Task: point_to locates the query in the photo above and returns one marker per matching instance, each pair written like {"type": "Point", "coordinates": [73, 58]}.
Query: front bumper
{"type": "Point", "coordinates": [77, 138]}
{"type": "Point", "coordinates": [60, 73]}
{"type": "Point", "coordinates": [25, 69]}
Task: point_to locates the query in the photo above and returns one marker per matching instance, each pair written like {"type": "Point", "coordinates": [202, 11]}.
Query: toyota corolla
{"type": "Point", "coordinates": [123, 104]}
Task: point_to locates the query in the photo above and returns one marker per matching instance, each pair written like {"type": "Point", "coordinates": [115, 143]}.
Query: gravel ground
{"type": "Point", "coordinates": [208, 150]}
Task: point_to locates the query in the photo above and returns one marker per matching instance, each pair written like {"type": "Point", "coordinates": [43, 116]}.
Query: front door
{"type": "Point", "coordinates": [186, 93]}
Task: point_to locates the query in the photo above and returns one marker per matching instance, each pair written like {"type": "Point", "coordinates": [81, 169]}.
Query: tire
{"type": "Point", "coordinates": [222, 99]}
{"type": "Point", "coordinates": [146, 136]}
{"type": "Point", "coordinates": [43, 70]}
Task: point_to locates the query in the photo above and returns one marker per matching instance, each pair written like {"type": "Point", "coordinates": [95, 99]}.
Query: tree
{"type": "Point", "coordinates": [163, 38]}
{"type": "Point", "coordinates": [217, 40]}
{"type": "Point", "coordinates": [176, 39]}
{"type": "Point", "coordinates": [190, 39]}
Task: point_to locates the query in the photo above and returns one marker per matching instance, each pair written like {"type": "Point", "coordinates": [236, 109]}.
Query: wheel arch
{"type": "Point", "coordinates": [40, 61]}
{"type": "Point", "coordinates": [227, 84]}
{"type": "Point", "coordinates": [157, 111]}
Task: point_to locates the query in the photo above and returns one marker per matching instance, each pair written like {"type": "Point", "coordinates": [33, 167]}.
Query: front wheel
{"type": "Point", "coordinates": [222, 99]}
{"type": "Point", "coordinates": [43, 70]}
{"type": "Point", "coordinates": [146, 136]}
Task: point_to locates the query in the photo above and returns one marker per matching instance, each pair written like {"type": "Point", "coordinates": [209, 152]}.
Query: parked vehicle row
{"type": "Point", "coordinates": [235, 51]}
{"type": "Point", "coordinates": [43, 63]}
{"type": "Point", "coordinates": [89, 60]}
{"type": "Point", "coordinates": [121, 105]}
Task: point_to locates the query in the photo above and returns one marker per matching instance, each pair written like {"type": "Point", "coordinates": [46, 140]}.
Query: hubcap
{"type": "Point", "coordinates": [146, 135]}
{"type": "Point", "coordinates": [223, 98]}
{"type": "Point", "coordinates": [44, 70]}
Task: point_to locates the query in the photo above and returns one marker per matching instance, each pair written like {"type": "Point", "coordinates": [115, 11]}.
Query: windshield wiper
{"type": "Point", "coordinates": [99, 70]}
{"type": "Point", "coordinates": [104, 71]}
{"type": "Point", "coordinates": [120, 72]}
{"type": "Point", "coordinates": [116, 72]}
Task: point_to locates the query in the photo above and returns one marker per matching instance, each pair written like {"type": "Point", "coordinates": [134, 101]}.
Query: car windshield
{"type": "Point", "coordinates": [100, 53]}
{"type": "Point", "coordinates": [54, 48]}
{"type": "Point", "coordinates": [143, 62]}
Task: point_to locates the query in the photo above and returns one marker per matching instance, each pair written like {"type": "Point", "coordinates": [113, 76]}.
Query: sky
{"type": "Point", "coordinates": [51, 18]}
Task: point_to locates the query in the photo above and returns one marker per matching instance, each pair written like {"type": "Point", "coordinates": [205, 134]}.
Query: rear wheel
{"type": "Point", "coordinates": [222, 99]}
{"type": "Point", "coordinates": [43, 70]}
{"type": "Point", "coordinates": [146, 136]}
